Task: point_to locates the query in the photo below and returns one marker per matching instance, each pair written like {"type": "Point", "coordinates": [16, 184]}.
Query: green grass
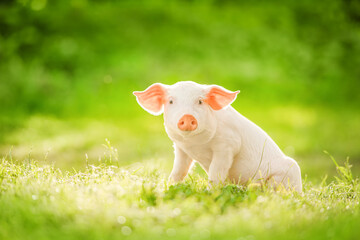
{"type": "Point", "coordinates": [40, 201]}
{"type": "Point", "coordinates": [67, 70]}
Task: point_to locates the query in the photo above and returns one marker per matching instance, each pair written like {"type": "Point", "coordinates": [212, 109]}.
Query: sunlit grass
{"type": "Point", "coordinates": [107, 202]}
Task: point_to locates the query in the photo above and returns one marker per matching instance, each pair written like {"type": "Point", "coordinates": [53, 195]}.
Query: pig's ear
{"type": "Point", "coordinates": [218, 97]}
{"type": "Point", "coordinates": [152, 99]}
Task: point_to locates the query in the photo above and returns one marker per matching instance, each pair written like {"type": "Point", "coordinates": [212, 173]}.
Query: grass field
{"type": "Point", "coordinates": [67, 72]}
{"type": "Point", "coordinates": [107, 202]}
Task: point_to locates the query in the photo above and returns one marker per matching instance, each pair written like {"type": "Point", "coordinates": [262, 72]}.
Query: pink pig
{"type": "Point", "coordinates": [205, 128]}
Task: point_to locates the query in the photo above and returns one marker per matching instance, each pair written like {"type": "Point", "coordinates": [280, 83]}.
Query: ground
{"type": "Point", "coordinates": [107, 202]}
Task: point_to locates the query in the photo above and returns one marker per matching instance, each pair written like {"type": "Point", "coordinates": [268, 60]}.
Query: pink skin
{"type": "Point", "coordinates": [187, 123]}
{"type": "Point", "coordinates": [155, 97]}
{"type": "Point", "coordinates": [205, 128]}
{"type": "Point", "coordinates": [188, 112]}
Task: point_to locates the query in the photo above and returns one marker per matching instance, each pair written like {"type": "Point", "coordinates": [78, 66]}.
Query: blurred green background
{"type": "Point", "coordinates": [68, 69]}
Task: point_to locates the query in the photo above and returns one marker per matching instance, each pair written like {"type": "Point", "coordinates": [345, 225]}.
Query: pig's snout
{"type": "Point", "coordinates": [187, 123]}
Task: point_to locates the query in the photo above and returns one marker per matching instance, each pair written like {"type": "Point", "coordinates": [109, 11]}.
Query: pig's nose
{"type": "Point", "coordinates": [187, 123]}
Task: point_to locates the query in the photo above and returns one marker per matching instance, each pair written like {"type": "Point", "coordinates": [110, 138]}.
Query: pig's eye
{"type": "Point", "coordinates": [171, 101]}
{"type": "Point", "coordinates": [200, 101]}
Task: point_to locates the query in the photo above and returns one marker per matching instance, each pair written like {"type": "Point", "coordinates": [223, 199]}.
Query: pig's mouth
{"type": "Point", "coordinates": [189, 134]}
{"type": "Point", "coordinates": [197, 136]}
{"type": "Point", "coordinates": [183, 135]}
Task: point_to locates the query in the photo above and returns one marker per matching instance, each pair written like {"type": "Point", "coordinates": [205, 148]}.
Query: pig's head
{"type": "Point", "coordinates": [188, 108]}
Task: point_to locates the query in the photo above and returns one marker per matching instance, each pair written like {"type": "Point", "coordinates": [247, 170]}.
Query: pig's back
{"type": "Point", "coordinates": [257, 150]}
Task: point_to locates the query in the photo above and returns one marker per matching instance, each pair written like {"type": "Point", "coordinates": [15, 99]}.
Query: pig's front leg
{"type": "Point", "coordinates": [182, 164]}
{"type": "Point", "coordinates": [220, 165]}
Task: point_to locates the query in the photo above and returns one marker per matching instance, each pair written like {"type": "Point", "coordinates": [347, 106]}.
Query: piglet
{"type": "Point", "coordinates": [206, 129]}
